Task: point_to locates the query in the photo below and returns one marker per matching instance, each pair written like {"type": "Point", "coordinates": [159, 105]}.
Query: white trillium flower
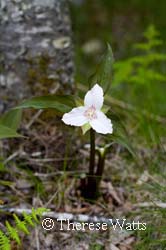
{"type": "Point", "coordinates": [90, 113]}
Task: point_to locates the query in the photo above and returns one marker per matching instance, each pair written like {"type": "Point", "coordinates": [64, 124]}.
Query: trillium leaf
{"type": "Point", "coordinates": [85, 128]}
{"type": "Point", "coordinates": [103, 73]}
{"type": "Point", "coordinates": [12, 119]}
{"type": "Point", "coordinates": [120, 135]}
{"type": "Point", "coordinates": [60, 103]}
{"type": "Point", "coordinates": [6, 132]}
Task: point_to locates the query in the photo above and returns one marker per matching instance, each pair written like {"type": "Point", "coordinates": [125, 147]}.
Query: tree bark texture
{"type": "Point", "coordinates": [36, 53]}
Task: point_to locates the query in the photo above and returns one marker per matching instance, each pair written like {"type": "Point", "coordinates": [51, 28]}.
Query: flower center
{"type": "Point", "coordinates": [90, 113]}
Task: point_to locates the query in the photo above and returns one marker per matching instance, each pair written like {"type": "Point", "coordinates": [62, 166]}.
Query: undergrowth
{"type": "Point", "coordinates": [141, 82]}
{"type": "Point", "coordinates": [12, 232]}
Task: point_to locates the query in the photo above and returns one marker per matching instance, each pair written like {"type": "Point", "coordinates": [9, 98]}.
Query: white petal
{"type": "Point", "coordinates": [75, 117]}
{"type": "Point", "coordinates": [94, 97]}
{"type": "Point", "coordinates": [102, 124]}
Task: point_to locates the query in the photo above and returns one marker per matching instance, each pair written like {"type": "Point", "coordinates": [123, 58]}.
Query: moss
{"type": "Point", "coordinates": [38, 75]}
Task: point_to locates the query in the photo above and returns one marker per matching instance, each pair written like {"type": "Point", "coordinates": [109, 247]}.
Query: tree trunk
{"type": "Point", "coordinates": [35, 49]}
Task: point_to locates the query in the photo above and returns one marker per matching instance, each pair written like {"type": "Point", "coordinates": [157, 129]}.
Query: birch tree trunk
{"type": "Point", "coordinates": [35, 49]}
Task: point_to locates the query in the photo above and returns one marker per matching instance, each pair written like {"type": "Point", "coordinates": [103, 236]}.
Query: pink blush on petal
{"type": "Point", "coordinates": [90, 113]}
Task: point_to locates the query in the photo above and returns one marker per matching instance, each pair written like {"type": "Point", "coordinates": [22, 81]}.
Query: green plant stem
{"type": "Point", "coordinates": [92, 152]}
{"type": "Point", "coordinates": [100, 168]}
{"type": "Point", "coordinates": [89, 186]}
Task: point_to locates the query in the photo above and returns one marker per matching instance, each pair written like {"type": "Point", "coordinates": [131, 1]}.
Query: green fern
{"type": "Point", "coordinates": [28, 218]}
{"type": "Point", "coordinates": [128, 70]}
{"type": "Point", "coordinates": [140, 81]}
{"type": "Point", "coordinates": [21, 226]}
{"type": "Point", "coordinates": [4, 242]}
{"type": "Point", "coordinates": [37, 213]}
{"type": "Point", "coordinates": [13, 232]}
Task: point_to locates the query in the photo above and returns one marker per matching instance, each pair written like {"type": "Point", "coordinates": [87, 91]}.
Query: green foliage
{"type": "Point", "coordinates": [38, 212]}
{"type": "Point", "coordinates": [6, 132]}
{"type": "Point", "coordinates": [121, 136]}
{"type": "Point", "coordinates": [9, 124]}
{"type": "Point", "coordinates": [21, 226]}
{"type": "Point", "coordinates": [4, 242]}
{"type": "Point", "coordinates": [141, 82]}
{"type": "Point", "coordinates": [103, 72]}
{"type": "Point", "coordinates": [28, 218]}
{"type": "Point", "coordinates": [141, 69]}
{"type": "Point", "coordinates": [60, 103]}
{"type": "Point", "coordinates": [12, 119]}
{"type": "Point", "coordinates": [13, 232]}
{"type": "Point", "coordinates": [2, 166]}
{"type": "Point", "coordinates": [85, 128]}
{"type": "Point", "coordinates": [153, 238]}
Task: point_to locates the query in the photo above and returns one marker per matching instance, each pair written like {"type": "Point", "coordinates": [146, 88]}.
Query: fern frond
{"type": "Point", "coordinates": [4, 242]}
{"type": "Point", "coordinates": [38, 212]}
{"type": "Point", "coordinates": [28, 218]}
{"type": "Point", "coordinates": [13, 232]}
{"type": "Point", "coordinates": [21, 225]}
{"type": "Point", "coordinates": [34, 215]}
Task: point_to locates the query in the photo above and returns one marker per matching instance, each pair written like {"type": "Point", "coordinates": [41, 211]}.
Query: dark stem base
{"type": "Point", "coordinates": [90, 188]}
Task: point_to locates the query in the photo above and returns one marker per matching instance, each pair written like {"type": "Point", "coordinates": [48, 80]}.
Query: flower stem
{"type": "Point", "coordinates": [100, 167]}
{"type": "Point", "coordinates": [89, 185]}
{"type": "Point", "coordinates": [92, 152]}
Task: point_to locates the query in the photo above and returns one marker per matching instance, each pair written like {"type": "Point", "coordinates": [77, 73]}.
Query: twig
{"type": "Point", "coordinates": [69, 173]}
{"type": "Point", "coordinates": [34, 118]}
{"type": "Point", "coordinates": [48, 159]}
{"type": "Point", "coordinates": [63, 216]}
{"type": "Point", "coordinates": [150, 204]}
{"type": "Point", "coordinates": [11, 157]}
{"type": "Point", "coordinates": [50, 200]}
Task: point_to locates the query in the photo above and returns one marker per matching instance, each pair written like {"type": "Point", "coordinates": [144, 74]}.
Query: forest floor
{"type": "Point", "coordinates": [45, 169]}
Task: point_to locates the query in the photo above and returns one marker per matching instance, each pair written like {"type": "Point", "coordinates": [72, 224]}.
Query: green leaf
{"type": "Point", "coordinates": [2, 167]}
{"type": "Point", "coordinates": [6, 183]}
{"type": "Point", "coordinates": [28, 219]}
{"type": "Point", "coordinates": [21, 225]}
{"type": "Point", "coordinates": [123, 70]}
{"type": "Point", "coordinates": [103, 73]}
{"type": "Point", "coordinates": [4, 242]}
{"type": "Point", "coordinates": [13, 232]}
{"type": "Point", "coordinates": [34, 215]}
{"type": "Point", "coordinates": [79, 102]}
{"type": "Point", "coordinates": [85, 128]}
{"type": "Point", "coordinates": [60, 103]}
{"type": "Point", "coordinates": [11, 119]}
{"type": "Point", "coordinates": [38, 213]}
{"type": "Point", "coordinates": [120, 134]}
{"type": "Point", "coordinates": [6, 132]}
